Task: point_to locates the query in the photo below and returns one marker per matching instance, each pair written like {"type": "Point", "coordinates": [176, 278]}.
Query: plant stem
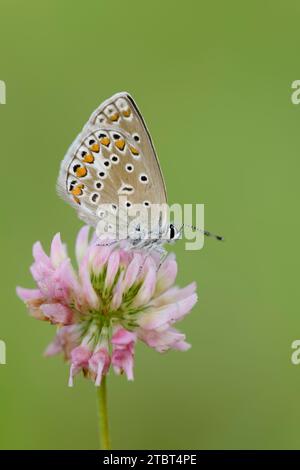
{"type": "Point", "coordinates": [103, 415]}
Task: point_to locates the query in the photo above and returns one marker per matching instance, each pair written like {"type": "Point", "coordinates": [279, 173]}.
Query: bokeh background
{"type": "Point", "coordinates": [213, 80]}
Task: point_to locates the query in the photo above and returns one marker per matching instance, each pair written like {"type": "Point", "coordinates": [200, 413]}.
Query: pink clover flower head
{"type": "Point", "coordinates": [118, 295]}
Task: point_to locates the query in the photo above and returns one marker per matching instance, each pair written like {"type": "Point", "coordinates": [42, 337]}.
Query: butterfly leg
{"type": "Point", "coordinates": [164, 254]}
{"type": "Point", "coordinates": [159, 249]}
{"type": "Point", "coordinates": [106, 242]}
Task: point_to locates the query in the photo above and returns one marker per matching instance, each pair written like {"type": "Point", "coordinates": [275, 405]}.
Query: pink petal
{"type": "Point", "coordinates": [163, 340]}
{"type": "Point", "coordinates": [80, 356]}
{"type": "Point", "coordinates": [29, 294]}
{"type": "Point", "coordinates": [132, 271]}
{"type": "Point", "coordinates": [94, 238]}
{"type": "Point", "coordinates": [57, 313]}
{"type": "Point", "coordinates": [41, 273]}
{"type": "Point", "coordinates": [147, 289]}
{"type": "Point", "coordinates": [118, 293]}
{"type": "Point", "coordinates": [99, 364]}
{"type": "Point", "coordinates": [112, 268]}
{"type": "Point", "coordinates": [174, 294]}
{"type": "Point", "coordinates": [125, 257]}
{"type": "Point", "coordinates": [122, 360]}
{"type": "Point", "coordinates": [53, 348]}
{"type": "Point", "coordinates": [73, 371]}
{"type": "Point", "coordinates": [98, 257]}
{"type": "Point", "coordinates": [58, 251]}
{"type": "Point", "coordinates": [65, 341]}
{"type": "Point", "coordinates": [123, 337]}
{"type": "Point", "coordinates": [39, 254]}
{"type": "Point", "coordinates": [33, 299]}
{"type": "Point", "coordinates": [166, 275]}
{"type": "Point", "coordinates": [181, 346]}
{"type": "Point", "coordinates": [156, 318]}
{"type": "Point", "coordinates": [69, 282]}
{"type": "Point", "coordinates": [82, 243]}
{"type": "Point", "coordinates": [185, 306]}
{"type": "Point", "coordinates": [88, 290]}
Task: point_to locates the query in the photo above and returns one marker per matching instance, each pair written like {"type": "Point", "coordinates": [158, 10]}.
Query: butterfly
{"type": "Point", "coordinates": [113, 158]}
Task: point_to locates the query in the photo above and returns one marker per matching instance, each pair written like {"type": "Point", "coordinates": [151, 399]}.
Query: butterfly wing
{"type": "Point", "coordinates": [113, 156]}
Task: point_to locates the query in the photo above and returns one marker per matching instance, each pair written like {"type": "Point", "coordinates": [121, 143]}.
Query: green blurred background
{"type": "Point", "coordinates": [213, 80]}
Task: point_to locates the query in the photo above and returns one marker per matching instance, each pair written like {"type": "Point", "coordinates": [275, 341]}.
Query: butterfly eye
{"type": "Point", "coordinates": [143, 178]}
{"type": "Point", "coordinates": [172, 232]}
{"type": "Point", "coordinates": [129, 168]}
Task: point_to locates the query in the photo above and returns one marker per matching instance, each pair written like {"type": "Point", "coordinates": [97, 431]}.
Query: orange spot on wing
{"type": "Point", "coordinates": [120, 144]}
{"type": "Point", "coordinates": [105, 141]}
{"type": "Point", "coordinates": [133, 150]}
{"type": "Point", "coordinates": [89, 158]}
{"type": "Point", "coordinates": [80, 172]}
{"type": "Point", "coordinates": [77, 191]}
{"type": "Point", "coordinates": [95, 148]}
{"type": "Point", "coordinates": [114, 117]}
{"type": "Point", "coordinates": [76, 200]}
{"type": "Point", "coordinates": [127, 112]}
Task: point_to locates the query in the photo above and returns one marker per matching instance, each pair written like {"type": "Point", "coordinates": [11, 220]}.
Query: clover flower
{"type": "Point", "coordinates": [117, 297]}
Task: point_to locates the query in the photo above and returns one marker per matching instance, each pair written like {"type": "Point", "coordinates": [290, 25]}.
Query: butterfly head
{"type": "Point", "coordinates": [173, 233]}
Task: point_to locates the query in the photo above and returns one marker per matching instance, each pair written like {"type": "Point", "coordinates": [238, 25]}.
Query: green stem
{"type": "Point", "coordinates": [103, 415]}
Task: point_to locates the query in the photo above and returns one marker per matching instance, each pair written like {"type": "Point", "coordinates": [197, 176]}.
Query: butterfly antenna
{"type": "Point", "coordinates": [206, 233]}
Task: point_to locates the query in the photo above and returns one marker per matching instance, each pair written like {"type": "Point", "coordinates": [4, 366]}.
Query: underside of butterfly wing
{"type": "Point", "coordinates": [113, 156]}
